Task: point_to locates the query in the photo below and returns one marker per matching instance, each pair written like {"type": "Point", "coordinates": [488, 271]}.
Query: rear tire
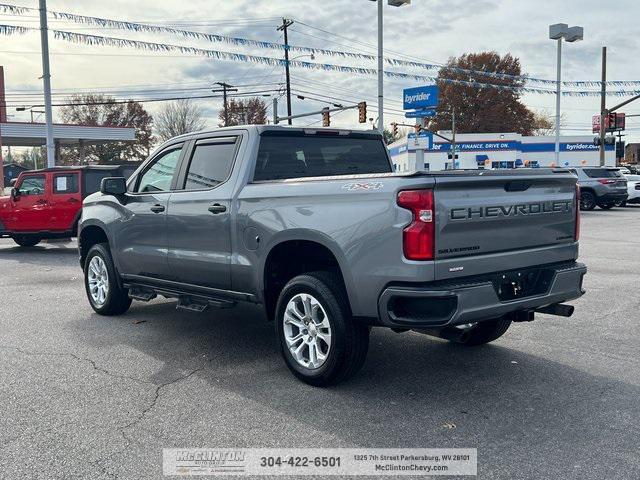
{"type": "Point", "coordinates": [312, 309]}
{"type": "Point", "coordinates": [587, 200]}
{"type": "Point", "coordinates": [27, 240]}
{"type": "Point", "coordinates": [484, 332]}
{"type": "Point", "coordinates": [101, 283]}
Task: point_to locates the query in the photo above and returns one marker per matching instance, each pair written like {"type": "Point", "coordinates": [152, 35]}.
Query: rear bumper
{"type": "Point", "coordinates": [612, 197]}
{"type": "Point", "coordinates": [473, 300]}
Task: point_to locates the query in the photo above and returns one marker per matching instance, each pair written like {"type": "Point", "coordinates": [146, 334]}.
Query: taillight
{"type": "Point", "coordinates": [577, 231]}
{"type": "Point", "coordinates": [418, 237]}
{"type": "Point", "coordinates": [606, 181]}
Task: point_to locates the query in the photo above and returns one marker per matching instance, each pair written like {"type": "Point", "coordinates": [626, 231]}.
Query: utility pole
{"type": "Point", "coordinates": [603, 104]}
{"type": "Point", "coordinates": [46, 79]}
{"type": "Point", "coordinates": [225, 88]}
{"type": "Point", "coordinates": [275, 111]}
{"type": "Point", "coordinates": [453, 135]}
{"type": "Point", "coordinates": [380, 67]}
{"type": "Point", "coordinates": [285, 25]}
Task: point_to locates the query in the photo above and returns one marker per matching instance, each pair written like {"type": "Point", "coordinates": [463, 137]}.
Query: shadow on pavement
{"type": "Point", "coordinates": [413, 391]}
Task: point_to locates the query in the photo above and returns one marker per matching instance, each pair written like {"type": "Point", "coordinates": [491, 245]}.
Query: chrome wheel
{"type": "Point", "coordinates": [307, 331]}
{"type": "Point", "coordinates": [98, 279]}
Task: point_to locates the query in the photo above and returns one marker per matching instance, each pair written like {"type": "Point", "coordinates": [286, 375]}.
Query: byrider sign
{"type": "Point", "coordinates": [420, 97]}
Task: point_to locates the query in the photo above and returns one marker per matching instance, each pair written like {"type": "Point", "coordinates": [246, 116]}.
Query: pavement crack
{"type": "Point", "coordinates": [154, 401]}
{"type": "Point", "coordinates": [91, 362]}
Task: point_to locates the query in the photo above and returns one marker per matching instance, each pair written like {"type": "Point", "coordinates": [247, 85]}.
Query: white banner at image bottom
{"type": "Point", "coordinates": [319, 461]}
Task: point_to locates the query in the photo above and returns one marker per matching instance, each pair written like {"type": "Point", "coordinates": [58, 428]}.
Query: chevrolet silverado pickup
{"type": "Point", "coordinates": [315, 227]}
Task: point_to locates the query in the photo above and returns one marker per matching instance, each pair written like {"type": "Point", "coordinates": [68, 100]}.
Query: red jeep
{"type": "Point", "coordinates": [47, 203]}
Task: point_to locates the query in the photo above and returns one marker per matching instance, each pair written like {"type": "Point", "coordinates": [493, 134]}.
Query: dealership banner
{"type": "Point", "coordinates": [320, 461]}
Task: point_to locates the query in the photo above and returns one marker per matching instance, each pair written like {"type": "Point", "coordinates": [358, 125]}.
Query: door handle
{"type": "Point", "coordinates": [157, 208]}
{"type": "Point", "coordinates": [217, 208]}
{"type": "Point", "coordinates": [73, 200]}
{"type": "Point", "coordinates": [42, 202]}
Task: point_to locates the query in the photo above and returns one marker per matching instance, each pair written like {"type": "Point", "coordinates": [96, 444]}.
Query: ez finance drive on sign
{"type": "Point", "coordinates": [420, 97]}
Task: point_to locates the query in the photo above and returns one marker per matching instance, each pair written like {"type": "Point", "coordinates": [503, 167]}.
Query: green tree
{"type": "Point", "coordinates": [102, 110]}
{"type": "Point", "coordinates": [483, 110]}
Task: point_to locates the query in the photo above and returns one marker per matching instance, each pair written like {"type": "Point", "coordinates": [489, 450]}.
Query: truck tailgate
{"type": "Point", "coordinates": [483, 213]}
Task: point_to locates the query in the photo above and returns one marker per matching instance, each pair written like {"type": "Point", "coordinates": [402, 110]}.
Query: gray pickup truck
{"type": "Point", "coordinates": [314, 226]}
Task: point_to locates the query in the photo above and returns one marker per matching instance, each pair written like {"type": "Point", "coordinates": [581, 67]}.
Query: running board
{"type": "Point", "coordinates": [141, 294]}
{"type": "Point", "coordinates": [199, 305]}
{"type": "Point", "coordinates": [187, 301]}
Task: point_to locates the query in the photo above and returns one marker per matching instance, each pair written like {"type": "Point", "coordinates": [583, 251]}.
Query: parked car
{"type": "Point", "coordinates": [633, 189]}
{"type": "Point", "coordinates": [633, 169]}
{"type": "Point", "coordinates": [604, 187]}
{"type": "Point", "coordinates": [314, 226]}
{"type": "Point", "coordinates": [45, 204]}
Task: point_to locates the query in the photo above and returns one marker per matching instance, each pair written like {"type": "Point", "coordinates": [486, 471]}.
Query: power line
{"type": "Point", "coordinates": [116, 101]}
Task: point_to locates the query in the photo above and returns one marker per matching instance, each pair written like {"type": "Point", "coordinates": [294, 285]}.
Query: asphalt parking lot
{"type": "Point", "coordinates": [84, 396]}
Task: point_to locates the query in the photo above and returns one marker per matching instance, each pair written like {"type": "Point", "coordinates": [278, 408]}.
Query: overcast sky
{"type": "Point", "coordinates": [430, 30]}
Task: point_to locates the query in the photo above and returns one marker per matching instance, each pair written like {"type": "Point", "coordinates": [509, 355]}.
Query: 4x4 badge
{"type": "Point", "coordinates": [362, 186]}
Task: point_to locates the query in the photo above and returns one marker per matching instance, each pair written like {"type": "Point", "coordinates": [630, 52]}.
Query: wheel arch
{"type": "Point", "coordinates": [89, 234]}
{"type": "Point", "coordinates": [296, 252]}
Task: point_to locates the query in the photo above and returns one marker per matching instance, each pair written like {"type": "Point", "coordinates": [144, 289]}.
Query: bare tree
{"type": "Point", "coordinates": [178, 117]}
{"type": "Point", "coordinates": [545, 123]}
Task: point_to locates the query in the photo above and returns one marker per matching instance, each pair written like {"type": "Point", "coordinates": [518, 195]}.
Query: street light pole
{"type": "Point", "coordinates": [380, 67]}
{"type": "Point", "coordinates": [393, 3]}
{"type": "Point", "coordinates": [603, 105]}
{"type": "Point", "coordinates": [558, 91]}
{"type": "Point", "coordinates": [558, 32]}
{"type": "Point", "coordinates": [46, 79]}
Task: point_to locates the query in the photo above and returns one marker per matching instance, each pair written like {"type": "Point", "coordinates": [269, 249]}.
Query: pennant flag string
{"type": "Point", "coordinates": [87, 39]}
{"type": "Point", "coordinates": [145, 27]}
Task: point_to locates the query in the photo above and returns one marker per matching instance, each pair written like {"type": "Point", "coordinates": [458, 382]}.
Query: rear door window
{"type": "Point", "coordinates": [65, 184]}
{"type": "Point", "coordinates": [210, 163]}
{"type": "Point", "coordinates": [296, 156]}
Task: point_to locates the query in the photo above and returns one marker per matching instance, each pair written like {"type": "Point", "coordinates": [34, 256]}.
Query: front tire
{"type": "Point", "coordinates": [27, 240]}
{"type": "Point", "coordinates": [587, 200]}
{"type": "Point", "coordinates": [484, 332]}
{"type": "Point", "coordinates": [101, 284]}
{"type": "Point", "coordinates": [319, 340]}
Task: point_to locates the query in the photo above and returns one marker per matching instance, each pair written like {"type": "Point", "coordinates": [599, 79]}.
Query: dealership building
{"type": "Point", "coordinates": [496, 151]}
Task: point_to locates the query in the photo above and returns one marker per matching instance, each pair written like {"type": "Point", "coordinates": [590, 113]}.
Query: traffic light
{"type": "Point", "coordinates": [362, 112]}
{"type": "Point", "coordinates": [326, 119]}
{"type": "Point", "coordinates": [611, 123]}
{"type": "Point", "coordinates": [394, 129]}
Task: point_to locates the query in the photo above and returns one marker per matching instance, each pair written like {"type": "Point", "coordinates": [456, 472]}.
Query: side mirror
{"type": "Point", "coordinates": [113, 186]}
{"type": "Point", "coordinates": [15, 193]}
